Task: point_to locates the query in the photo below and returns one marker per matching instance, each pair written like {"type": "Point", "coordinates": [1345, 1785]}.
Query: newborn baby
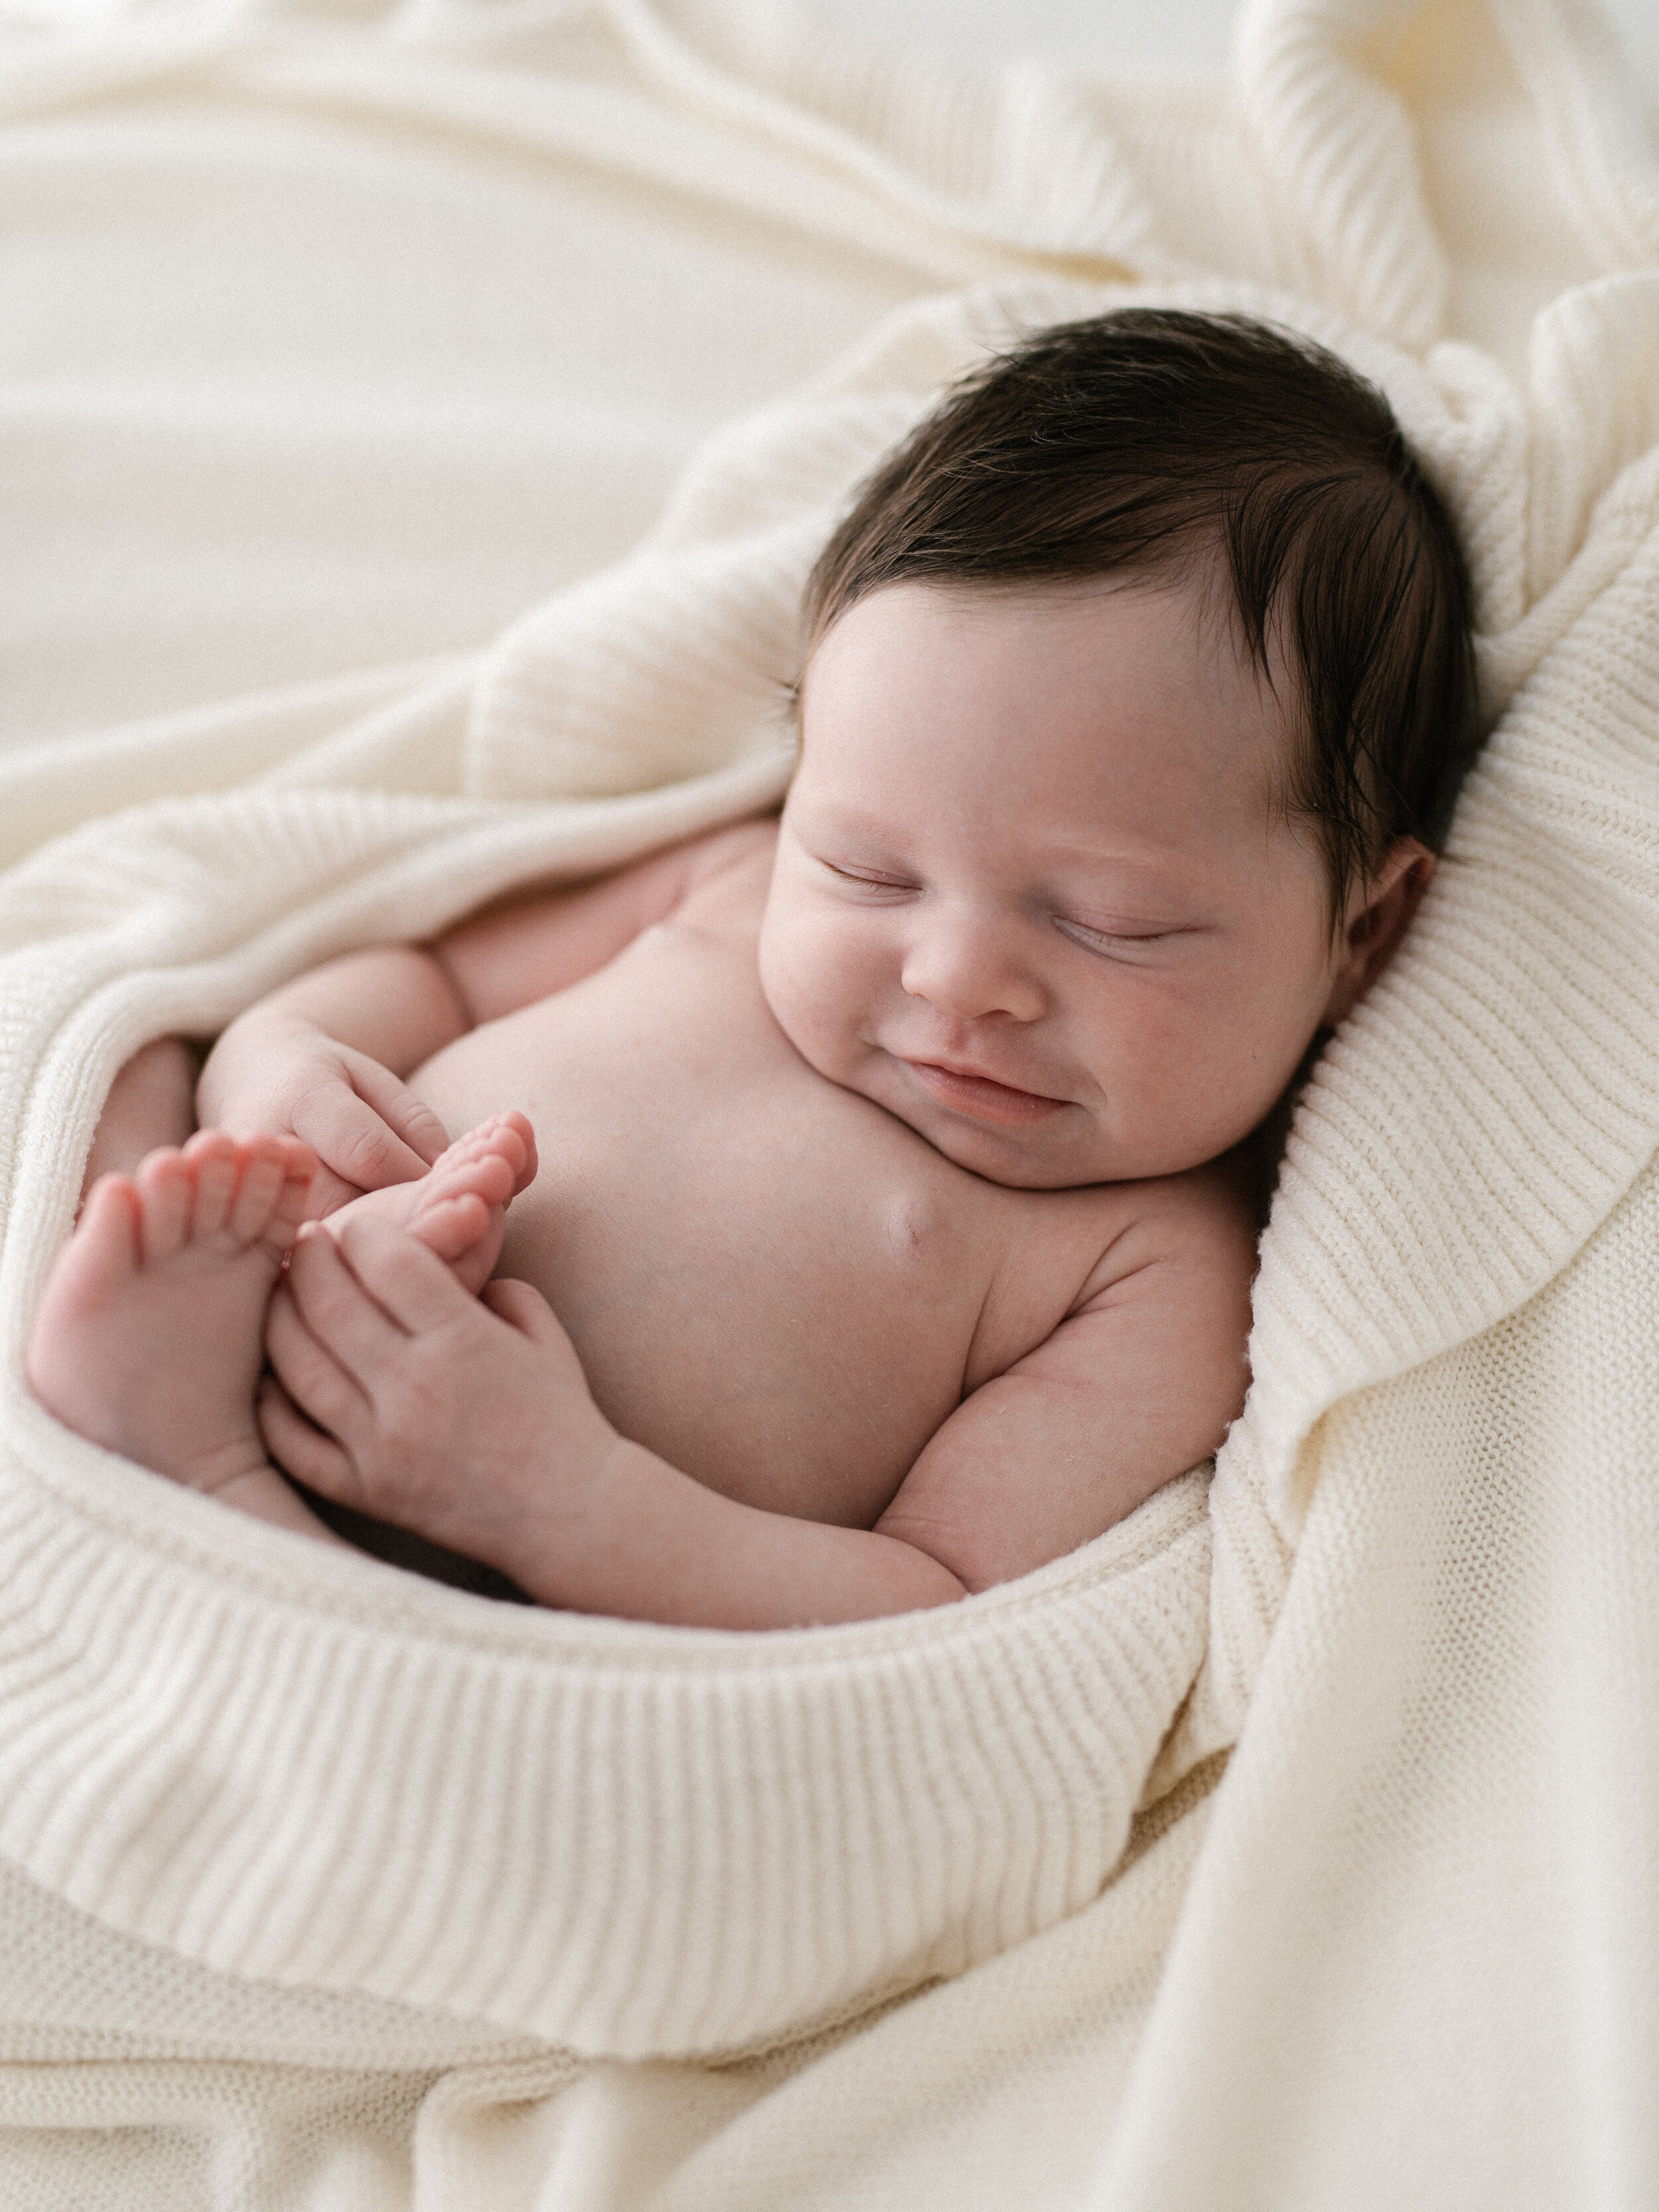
{"type": "Point", "coordinates": [890, 1235]}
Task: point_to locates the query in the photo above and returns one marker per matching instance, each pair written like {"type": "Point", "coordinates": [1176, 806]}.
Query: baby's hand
{"type": "Point", "coordinates": [276, 1074]}
{"type": "Point", "coordinates": [466, 1419]}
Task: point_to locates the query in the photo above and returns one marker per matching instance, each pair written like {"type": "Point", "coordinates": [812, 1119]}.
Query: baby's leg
{"type": "Point", "coordinates": [151, 1102]}
{"type": "Point", "coordinates": [149, 1337]}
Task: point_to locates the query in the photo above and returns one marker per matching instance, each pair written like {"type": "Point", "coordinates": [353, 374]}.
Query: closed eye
{"type": "Point", "coordinates": [867, 878]}
{"type": "Point", "coordinates": [1111, 940]}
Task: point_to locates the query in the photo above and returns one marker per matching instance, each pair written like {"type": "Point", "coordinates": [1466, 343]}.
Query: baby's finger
{"type": "Point", "coordinates": [348, 1135]}
{"type": "Point", "coordinates": [271, 1200]}
{"type": "Point", "coordinates": [309, 1371]}
{"type": "Point", "coordinates": [301, 1448]}
{"type": "Point", "coordinates": [338, 1314]}
{"type": "Point", "coordinates": [404, 1114]}
{"type": "Point", "coordinates": [212, 1155]}
{"type": "Point", "coordinates": [412, 1283]}
{"type": "Point", "coordinates": [326, 1193]}
{"type": "Point", "coordinates": [524, 1308]}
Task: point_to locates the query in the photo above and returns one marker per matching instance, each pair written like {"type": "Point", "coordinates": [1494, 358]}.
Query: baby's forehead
{"type": "Point", "coordinates": [1154, 665]}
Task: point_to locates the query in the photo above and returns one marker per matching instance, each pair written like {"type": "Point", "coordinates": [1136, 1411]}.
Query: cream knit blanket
{"type": "Point", "coordinates": [342, 340]}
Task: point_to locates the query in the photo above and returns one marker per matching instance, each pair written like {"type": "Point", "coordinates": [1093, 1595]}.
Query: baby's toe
{"type": "Point", "coordinates": [166, 1192]}
{"type": "Point", "coordinates": [491, 1179]}
{"type": "Point", "coordinates": [109, 1224]}
{"type": "Point", "coordinates": [453, 1225]}
{"type": "Point", "coordinates": [473, 1164]}
{"type": "Point", "coordinates": [215, 1169]}
{"type": "Point", "coordinates": [104, 1252]}
{"type": "Point", "coordinates": [519, 1149]}
{"type": "Point", "coordinates": [507, 1137]}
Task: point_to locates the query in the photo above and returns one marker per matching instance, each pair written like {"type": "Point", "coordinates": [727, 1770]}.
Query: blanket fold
{"type": "Point", "coordinates": [757, 1884]}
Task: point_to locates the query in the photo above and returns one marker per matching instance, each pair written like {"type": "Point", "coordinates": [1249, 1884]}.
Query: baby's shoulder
{"type": "Point", "coordinates": [738, 847]}
{"type": "Point", "coordinates": [1150, 1278]}
{"type": "Point", "coordinates": [1199, 1225]}
{"type": "Point", "coordinates": [722, 879]}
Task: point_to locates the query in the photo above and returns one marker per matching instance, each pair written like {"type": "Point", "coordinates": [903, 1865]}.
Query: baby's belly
{"type": "Point", "coordinates": [770, 1282]}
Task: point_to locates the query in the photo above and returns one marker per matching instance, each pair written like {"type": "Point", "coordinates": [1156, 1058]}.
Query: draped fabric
{"type": "Point", "coordinates": [418, 425]}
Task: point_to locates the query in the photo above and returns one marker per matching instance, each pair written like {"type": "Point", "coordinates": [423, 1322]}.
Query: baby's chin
{"type": "Point", "coordinates": [997, 1163]}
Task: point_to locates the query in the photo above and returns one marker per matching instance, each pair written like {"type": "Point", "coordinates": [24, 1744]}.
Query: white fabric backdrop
{"type": "Point", "coordinates": [320, 367]}
{"type": "Point", "coordinates": [1181, 38]}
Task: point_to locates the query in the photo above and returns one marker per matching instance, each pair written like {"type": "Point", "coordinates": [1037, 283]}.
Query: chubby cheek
{"type": "Point", "coordinates": [1257, 1049]}
{"type": "Point", "coordinates": [1196, 1073]}
{"type": "Point", "coordinates": [822, 976]}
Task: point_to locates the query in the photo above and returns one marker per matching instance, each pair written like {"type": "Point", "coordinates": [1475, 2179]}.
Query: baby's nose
{"type": "Point", "coordinates": [968, 969]}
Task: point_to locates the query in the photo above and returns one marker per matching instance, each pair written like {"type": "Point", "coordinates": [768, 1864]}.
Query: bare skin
{"type": "Point", "coordinates": [888, 1242]}
{"type": "Point", "coordinates": [189, 1249]}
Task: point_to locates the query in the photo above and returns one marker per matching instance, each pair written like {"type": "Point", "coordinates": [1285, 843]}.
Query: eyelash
{"type": "Point", "coordinates": [1079, 932]}
{"type": "Point", "coordinates": [870, 883]}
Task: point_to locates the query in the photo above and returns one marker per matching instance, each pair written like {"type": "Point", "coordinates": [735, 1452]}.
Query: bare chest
{"type": "Point", "coordinates": [770, 1281]}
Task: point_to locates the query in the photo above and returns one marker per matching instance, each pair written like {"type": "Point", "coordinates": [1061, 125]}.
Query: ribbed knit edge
{"type": "Point", "coordinates": [946, 151]}
{"type": "Point", "coordinates": [1483, 1110]}
{"type": "Point", "coordinates": [1340, 147]}
{"type": "Point", "coordinates": [1589, 123]}
{"type": "Point", "coordinates": [630, 1841]}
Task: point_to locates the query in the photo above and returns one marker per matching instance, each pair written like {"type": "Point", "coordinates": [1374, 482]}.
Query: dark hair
{"type": "Point", "coordinates": [1138, 441]}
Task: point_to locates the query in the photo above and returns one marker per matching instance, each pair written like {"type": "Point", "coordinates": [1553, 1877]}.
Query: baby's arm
{"type": "Point", "coordinates": [324, 1058]}
{"type": "Point", "coordinates": [471, 1424]}
{"type": "Point", "coordinates": [468, 1420]}
{"type": "Point", "coordinates": [151, 1105]}
{"type": "Point", "coordinates": [1138, 1384]}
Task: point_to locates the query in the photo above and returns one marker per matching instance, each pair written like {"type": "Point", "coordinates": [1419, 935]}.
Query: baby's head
{"type": "Point", "coordinates": [1138, 686]}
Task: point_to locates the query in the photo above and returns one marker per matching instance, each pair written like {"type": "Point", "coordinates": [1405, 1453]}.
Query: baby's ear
{"type": "Point", "coordinates": [1379, 911]}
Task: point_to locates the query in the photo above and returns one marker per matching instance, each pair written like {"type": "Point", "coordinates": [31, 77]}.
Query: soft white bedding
{"type": "Point", "coordinates": [348, 356]}
{"type": "Point", "coordinates": [1185, 39]}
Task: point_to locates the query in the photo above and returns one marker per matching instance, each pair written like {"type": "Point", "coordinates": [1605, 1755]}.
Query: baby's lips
{"type": "Point", "coordinates": [985, 1097]}
{"type": "Point", "coordinates": [967, 1069]}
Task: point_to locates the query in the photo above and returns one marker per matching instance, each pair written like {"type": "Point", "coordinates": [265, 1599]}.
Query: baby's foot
{"type": "Point", "coordinates": [148, 1338]}
{"type": "Point", "coordinates": [459, 1208]}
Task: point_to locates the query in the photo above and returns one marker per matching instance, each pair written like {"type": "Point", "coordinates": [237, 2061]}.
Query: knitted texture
{"type": "Point", "coordinates": [525, 357]}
